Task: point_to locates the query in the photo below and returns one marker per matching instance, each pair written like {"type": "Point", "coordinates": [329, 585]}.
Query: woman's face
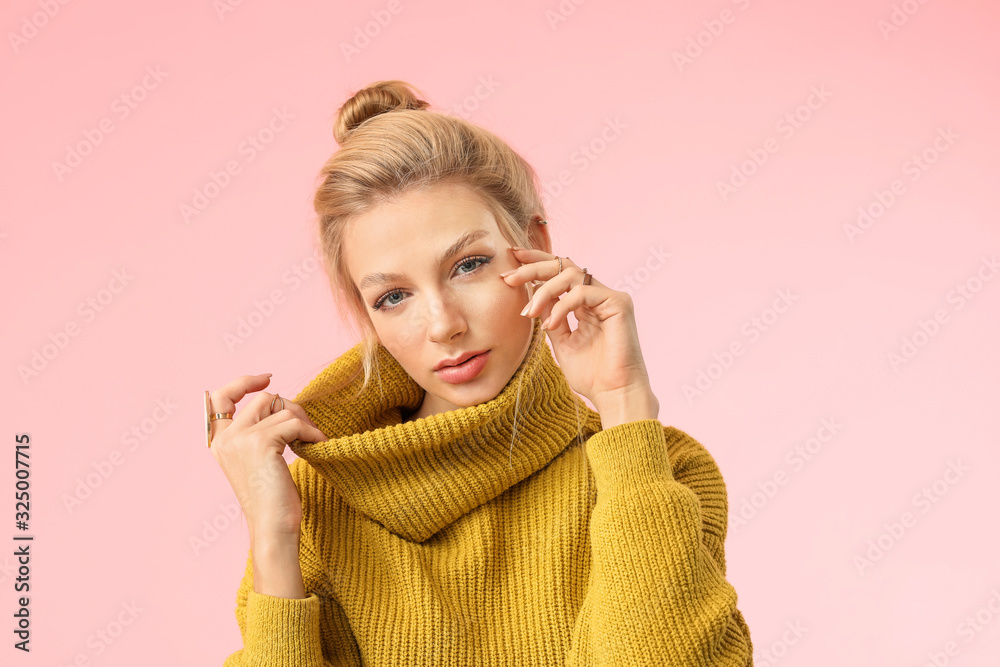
{"type": "Point", "coordinates": [428, 268]}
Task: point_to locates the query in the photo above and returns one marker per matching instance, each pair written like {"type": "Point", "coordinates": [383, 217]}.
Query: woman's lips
{"type": "Point", "coordinates": [464, 372]}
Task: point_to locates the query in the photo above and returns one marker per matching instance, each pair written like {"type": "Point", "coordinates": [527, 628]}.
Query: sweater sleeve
{"type": "Point", "coordinates": [292, 632]}
{"type": "Point", "coordinates": [657, 593]}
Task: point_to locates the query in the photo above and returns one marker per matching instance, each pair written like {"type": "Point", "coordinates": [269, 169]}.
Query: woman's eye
{"type": "Point", "coordinates": [386, 301]}
{"type": "Point", "coordinates": [473, 261]}
{"type": "Point", "coordinates": [380, 304]}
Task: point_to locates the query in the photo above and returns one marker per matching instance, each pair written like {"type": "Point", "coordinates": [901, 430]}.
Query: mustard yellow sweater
{"type": "Point", "coordinates": [474, 538]}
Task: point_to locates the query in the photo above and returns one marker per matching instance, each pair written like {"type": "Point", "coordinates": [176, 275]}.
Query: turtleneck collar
{"type": "Point", "coordinates": [417, 477]}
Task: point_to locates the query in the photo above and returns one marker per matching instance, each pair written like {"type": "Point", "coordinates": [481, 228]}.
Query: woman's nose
{"type": "Point", "coordinates": [444, 317]}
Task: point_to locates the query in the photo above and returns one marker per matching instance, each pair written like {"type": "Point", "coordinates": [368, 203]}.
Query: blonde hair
{"type": "Point", "coordinates": [390, 144]}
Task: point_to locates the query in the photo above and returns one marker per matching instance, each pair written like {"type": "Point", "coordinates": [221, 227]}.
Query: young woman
{"type": "Point", "coordinates": [455, 502]}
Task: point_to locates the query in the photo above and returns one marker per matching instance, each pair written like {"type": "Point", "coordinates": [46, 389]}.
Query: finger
{"type": "Point", "coordinates": [226, 397]}
{"type": "Point", "coordinates": [260, 407]}
{"type": "Point", "coordinates": [553, 288]}
{"type": "Point", "coordinates": [541, 267]}
{"type": "Point", "coordinates": [547, 311]}
{"type": "Point", "coordinates": [531, 254]}
{"type": "Point", "coordinates": [529, 257]}
{"type": "Point", "coordinates": [578, 298]}
{"type": "Point", "coordinates": [516, 279]}
{"type": "Point", "coordinates": [293, 410]}
{"type": "Point", "coordinates": [288, 427]}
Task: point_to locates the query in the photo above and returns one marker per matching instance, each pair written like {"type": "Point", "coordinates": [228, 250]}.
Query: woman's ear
{"type": "Point", "coordinates": [539, 234]}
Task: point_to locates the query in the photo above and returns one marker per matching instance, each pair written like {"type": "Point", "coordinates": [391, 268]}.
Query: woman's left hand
{"type": "Point", "coordinates": [601, 358]}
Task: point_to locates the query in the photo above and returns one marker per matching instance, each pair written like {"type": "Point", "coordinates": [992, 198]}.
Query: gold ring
{"type": "Point", "coordinates": [586, 277]}
{"type": "Point", "coordinates": [560, 264]}
{"type": "Point", "coordinates": [280, 399]}
{"type": "Point", "coordinates": [211, 417]}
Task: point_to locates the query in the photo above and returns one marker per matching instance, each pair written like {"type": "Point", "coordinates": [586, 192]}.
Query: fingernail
{"type": "Point", "coordinates": [507, 273]}
{"type": "Point", "coordinates": [515, 247]}
{"type": "Point", "coordinates": [265, 375]}
{"type": "Point", "coordinates": [523, 312]}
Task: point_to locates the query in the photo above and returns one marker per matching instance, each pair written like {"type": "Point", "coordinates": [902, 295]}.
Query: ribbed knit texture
{"type": "Point", "coordinates": [481, 537]}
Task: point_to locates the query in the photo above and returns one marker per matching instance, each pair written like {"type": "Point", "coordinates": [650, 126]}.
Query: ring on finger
{"type": "Point", "coordinates": [280, 399]}
{"type": "Point", "coordinates": [211, 417]}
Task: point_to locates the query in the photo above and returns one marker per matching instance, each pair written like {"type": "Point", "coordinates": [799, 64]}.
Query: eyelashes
{"type": "Point", "coordinates": [380, 303]}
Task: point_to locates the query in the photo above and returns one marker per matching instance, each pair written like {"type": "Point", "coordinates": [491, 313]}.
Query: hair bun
{"type": "Point", "coordinates": [378, 98]}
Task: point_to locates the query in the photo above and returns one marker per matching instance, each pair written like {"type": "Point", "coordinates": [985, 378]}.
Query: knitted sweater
{"type": "Point", "coordinates": [473, 538]}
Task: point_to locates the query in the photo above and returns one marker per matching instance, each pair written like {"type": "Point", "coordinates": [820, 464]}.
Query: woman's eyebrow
{"type": "Point", "coordinates": [382, 278]}
{"type": "Point", "coordinates": [463, 240]}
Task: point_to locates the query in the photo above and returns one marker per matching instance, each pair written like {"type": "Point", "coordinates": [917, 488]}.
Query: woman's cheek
{"type": "Point", "coordinates": [499, 300]}
{"type": "Point", "coordinates": [404, 329]}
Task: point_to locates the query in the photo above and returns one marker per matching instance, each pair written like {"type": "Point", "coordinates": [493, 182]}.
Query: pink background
{"type": "Point", "coordinates": [672, 130]}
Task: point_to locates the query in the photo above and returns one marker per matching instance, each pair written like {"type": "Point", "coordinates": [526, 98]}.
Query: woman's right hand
{"type": "Point", "coordinates": [249, 450]}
